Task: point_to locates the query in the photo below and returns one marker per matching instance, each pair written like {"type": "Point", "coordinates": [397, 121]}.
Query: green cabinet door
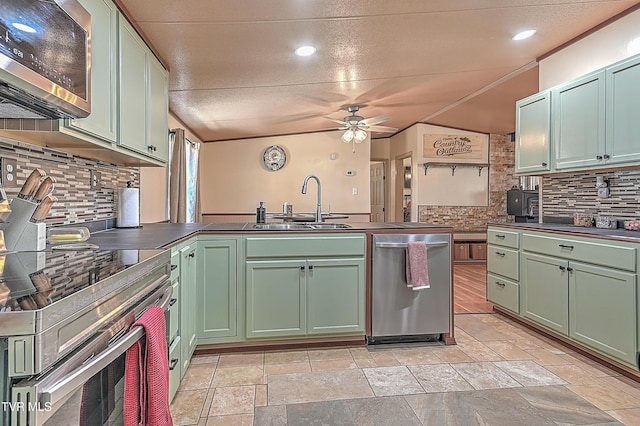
{"type": "Point", "coordinates": [276, 298]}
{"type": "Point", "coordinates": [579, 122]}
{"type": "Point", "coordinates": [188, 300]}
{"type": "Point", "coordinates": [544, 289]}
{"type": "Point", "coordinates": [102, 122]}
{"type": "Point", "coordinates": [533, 134]}
{"type": "Point", "coordinates": [132, 89]}
{"type": "Point", "coordinates": [157, 110]}
{"type": "Point", "coordinates": [623, 110]}
{"type": "Point", "coordinates": [335, 295]}
{"type": "Point", "coordinates": [217, 290]}
{"type": "Point", "coordinates": [602, 306]}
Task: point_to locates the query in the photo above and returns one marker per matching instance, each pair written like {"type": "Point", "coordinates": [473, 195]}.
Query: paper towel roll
{"type": "Point", "coordinates": [128, 208]}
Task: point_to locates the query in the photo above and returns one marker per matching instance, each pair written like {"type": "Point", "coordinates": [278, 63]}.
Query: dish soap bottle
{"type": "Point", "coordinates": [261, 213]}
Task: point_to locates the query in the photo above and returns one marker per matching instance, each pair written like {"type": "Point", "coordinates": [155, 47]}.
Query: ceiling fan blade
{"type": "Point", "coordinates": [382, 129]}
{"type": "Point", "coordinates": [334, 120]}
{"type": "Point", "coordinates": [374, 120]}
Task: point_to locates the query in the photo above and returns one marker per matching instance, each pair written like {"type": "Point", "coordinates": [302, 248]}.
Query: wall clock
{"type": "Point", "coordinates": [274, 157]}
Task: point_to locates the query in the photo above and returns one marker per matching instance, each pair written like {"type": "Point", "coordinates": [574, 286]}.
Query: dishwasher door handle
{"type": "Point", "coordinates": [404, 245]}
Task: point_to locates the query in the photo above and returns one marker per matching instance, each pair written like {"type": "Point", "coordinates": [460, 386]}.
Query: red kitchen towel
{"type": "Point", "coordinates": [146, 385]}
{"type": "Point", "coordinates": [417, 266]}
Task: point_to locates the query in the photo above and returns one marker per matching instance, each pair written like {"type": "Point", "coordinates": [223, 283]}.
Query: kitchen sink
{"type": "Point", "coordinates": [280, 226]}
{"type": "Point", "coordinates": [297, 225]}
{"type": "Point", "coordinates": [328, 225]}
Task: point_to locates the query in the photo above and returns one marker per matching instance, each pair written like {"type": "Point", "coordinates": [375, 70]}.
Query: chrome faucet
{"type": "Point", "coordinates": [304, 191]}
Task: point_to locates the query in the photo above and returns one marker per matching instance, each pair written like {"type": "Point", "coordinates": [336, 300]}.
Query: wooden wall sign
{"type": "Point", "coordinates": [453, 148]}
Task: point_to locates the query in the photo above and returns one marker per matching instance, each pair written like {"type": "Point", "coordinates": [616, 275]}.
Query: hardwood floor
{"type": "Point", "coordinates": [469, 288]}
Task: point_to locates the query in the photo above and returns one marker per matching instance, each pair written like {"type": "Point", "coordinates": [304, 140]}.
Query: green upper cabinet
{"type": "Point", "coordinates": [102, 122]}
{"type": "Point", "coordinates": [157, 110]}
{"type": "Point", "coordinates": [142, 100]}
{"type": "Point", "coordinates": [533, 134]}
{"type": "Point", "coordinates": [593, 123]}
{"type": "Point", "coordinates": [217, 289]}
{"type": "Point", "coordinates": [579, 122]}
{"type": "Point", "coordinates": [623, 112]}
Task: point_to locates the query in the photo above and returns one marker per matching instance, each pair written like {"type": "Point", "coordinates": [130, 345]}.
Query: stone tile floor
{"type": "Point", "coordinates": [499, 373]}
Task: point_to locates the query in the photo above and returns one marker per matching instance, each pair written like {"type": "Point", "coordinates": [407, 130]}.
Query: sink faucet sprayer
{"type": "Point", "coordinates": [304, 191]}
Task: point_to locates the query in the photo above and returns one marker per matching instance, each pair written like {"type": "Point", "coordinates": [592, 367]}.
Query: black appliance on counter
{"type": "Point", "coordinates": [64, 331]}
{"type": "Point", "coordinates": [523, 204]}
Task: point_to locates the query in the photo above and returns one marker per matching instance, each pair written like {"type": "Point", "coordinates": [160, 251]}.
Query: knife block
{"type": "Point", "coordinates": [20, 233]}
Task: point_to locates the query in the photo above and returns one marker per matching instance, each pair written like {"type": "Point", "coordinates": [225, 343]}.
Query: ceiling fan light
{"type": "Point", "coordinates": [360, 135]}
{"type": "Point", "coordinates": [348, 136]}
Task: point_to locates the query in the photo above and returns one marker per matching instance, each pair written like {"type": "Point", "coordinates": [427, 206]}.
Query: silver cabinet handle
{"type": "Point", "coordinates": [79, 376]}
{"type": "Point", "coordinates": [404, 245]}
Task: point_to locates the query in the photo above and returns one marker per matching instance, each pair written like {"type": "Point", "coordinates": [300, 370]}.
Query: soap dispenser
{"type": "Point", "coordinates": [261, 213]}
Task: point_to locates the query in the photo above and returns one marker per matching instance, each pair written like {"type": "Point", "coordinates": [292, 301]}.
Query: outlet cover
{"type": "Point", "coordinates": [9, 170]}
{"type": "Point", "coordinates": [95, 180]}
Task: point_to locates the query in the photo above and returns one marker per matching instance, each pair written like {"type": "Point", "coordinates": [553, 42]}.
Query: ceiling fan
{"type": "Point", "coordinates": [356, 127]}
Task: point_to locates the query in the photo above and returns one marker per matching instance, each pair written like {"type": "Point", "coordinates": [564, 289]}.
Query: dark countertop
{"type": "Point", "coordinates": [612, 234]}
{"type": "Point", "coordinates": [159, 235]}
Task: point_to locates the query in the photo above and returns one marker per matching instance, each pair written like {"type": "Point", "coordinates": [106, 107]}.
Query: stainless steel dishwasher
{"type": "Point", "coordinates": [399, 313]}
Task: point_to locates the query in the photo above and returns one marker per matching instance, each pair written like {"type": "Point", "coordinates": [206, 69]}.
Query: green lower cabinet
{"type": "Point", "coordinates": [217, 290]}
{"type": "Point", "coordinates": [188, 300]}
{"type": "Point", "coordinates": [174, 367]}
{"type": "Point", "coordinates": [335, 296]}
{"type": "Point", "coordinates": [602, 306]}
{"type": "Point", "coordinates": [545, 291]}
{"type": "Point", "coordinates": [276, 298]}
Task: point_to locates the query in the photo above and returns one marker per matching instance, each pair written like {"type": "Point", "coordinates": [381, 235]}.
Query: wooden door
{"type": "Point", "coordinates": [377, 193]}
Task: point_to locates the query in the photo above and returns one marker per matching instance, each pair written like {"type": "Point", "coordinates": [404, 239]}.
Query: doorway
{"type": "Point", "coordinates": [403, 189]}
{"type": "Point", "coordinates": [377, 191]}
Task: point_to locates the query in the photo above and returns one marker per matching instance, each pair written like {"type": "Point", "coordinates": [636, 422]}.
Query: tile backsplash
{"type": "Point", "coordinates": [564, 194]}
{"type": "Point", "coordinates": [77, 201]}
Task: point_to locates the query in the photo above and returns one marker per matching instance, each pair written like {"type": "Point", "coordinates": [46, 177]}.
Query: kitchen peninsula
{"type": "Point", "coordinates": [242, 287]}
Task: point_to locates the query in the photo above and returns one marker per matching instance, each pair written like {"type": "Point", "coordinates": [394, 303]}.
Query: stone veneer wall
{"type": "Point", "coordinates": [77, 202]}
{"type": "Point", "coordinates": [501, 179]}
{"type": "Point", "coordinates": [564, 194]}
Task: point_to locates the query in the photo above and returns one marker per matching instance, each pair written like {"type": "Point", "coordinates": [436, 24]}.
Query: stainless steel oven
{"type": "Point", "coordinates": [68, 369]}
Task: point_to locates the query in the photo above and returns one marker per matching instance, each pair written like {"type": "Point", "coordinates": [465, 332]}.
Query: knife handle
{"type": "Point", "coordinates": [29, 186]}
{"type": "Point", "coordinates": [43, 208]}
{"type": "Point", "coordinates": [45, 188]}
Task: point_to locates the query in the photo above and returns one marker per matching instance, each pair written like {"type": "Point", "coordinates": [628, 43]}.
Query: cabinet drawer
{"type": "Point", "coordinates": [503, 238]}
{"type": "Point", "coordinates": [503, 261]}
{"type": "Point", "coordinates": [503, 292]}
{"type": "Point", "coordinates": [174, 367]}
{"type": "Point", "coordinates": [306, 245]}
{"type": "Point", "coordinates": [174, 312]}
{"type": "Point", "coordinates": [589, 252]}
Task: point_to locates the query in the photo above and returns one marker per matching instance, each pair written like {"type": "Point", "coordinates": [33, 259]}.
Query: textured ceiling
{"type": "Point", "coordinates": [233, 73]}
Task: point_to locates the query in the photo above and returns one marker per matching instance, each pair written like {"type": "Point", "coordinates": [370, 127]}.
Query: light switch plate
{"type": "Point", "coordinates": [603, 192]}
{"type": "Point", "coordinates": [9, 169]}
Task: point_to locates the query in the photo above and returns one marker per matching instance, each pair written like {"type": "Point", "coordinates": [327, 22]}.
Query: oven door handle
{"type": "Point", "coordinates": [57, 391]}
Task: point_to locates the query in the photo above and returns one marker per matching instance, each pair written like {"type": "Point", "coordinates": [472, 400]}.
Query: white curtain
{"type": "Point", "coordinates": [184, 185]}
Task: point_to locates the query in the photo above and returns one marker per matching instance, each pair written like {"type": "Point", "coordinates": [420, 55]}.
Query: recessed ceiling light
{"type": "Point", "coordinates": [524, 34]}
{"type": "Point", "coordinates": [23, 27]}
{"type": "Point", "coordinates": [305, 51]}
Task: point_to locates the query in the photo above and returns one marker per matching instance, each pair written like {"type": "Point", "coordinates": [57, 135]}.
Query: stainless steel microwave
{"type": "Point", "coordinates": [45, 59]}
